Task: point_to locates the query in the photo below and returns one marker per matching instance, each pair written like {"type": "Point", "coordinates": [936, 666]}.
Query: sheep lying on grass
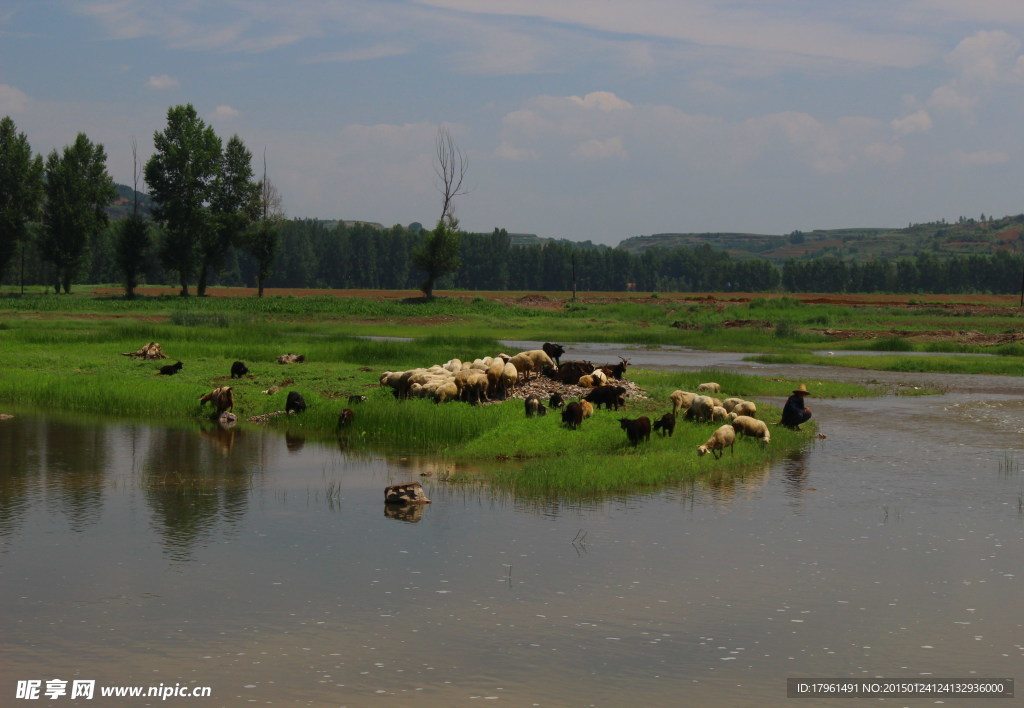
{"type": "Point", "coordinates": [745, 425]}
{"type": "Point", "coordinates": [724, 437]}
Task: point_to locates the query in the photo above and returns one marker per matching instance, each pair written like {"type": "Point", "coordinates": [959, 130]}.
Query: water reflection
{"type": "Point", "coordinates": [192, 489]}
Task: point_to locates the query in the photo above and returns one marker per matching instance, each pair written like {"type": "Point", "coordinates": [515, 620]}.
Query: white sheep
{"type": "Point", "coordinates": [745, 408]}
{"type": "Point", "coordinates": [746, 425]}
{"type": "Point", "coordinates": [724, 437]}
{"type": "Point", "coordinates": [709, 387]}
{"type": "Point", "coordinates": [718, 413]}
{"type": "Point", "coordinates": [532, 360]}
{"type": "Point", "coordinates": [509, 376]}
{"type": "Point", "coordinates": [680, 400]}
{"type": "Point", "coordinates": [730, 403]}
{"type": "Point", "coordinates": [700, 409]}
{"type": "Point", "coordinates": [446, 392]}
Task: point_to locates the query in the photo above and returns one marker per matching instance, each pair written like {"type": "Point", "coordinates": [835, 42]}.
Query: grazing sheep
{"type": "Point", "coordinates": [730, 403]}
{"type": "Point", "coordinates": [532, 360]}
{"type": "Point", "coordinates": [170, 369]}
{"type": "Point", "coordinates": [572, 415]}
{"type": "Point", "coordinates": [495, 376]}
{"type": "Point", "coordinates": [745, 425]}
{"type": "Point", "coordinates": [447, 391]}
{"type": "Point", "coordinates": [709, 387]}
{"type": "Point", "coordinates": [588, 409]}
{"type": "Point", "coordinates": [556, 401]}
{"type": "Point", "coordinates": [555, 351]}
{"type": "Point", "coordinates": [718, 413]}
{"type": "Point", "coordinates": [680, 400]}
{"type": "Point", "coordinates": [295, 403]}
{"type": "Point", "coordinates": [238, 370]}
{"type": "Point", "coordinates": [666, 424]}
{"type": "Point", "coordinates": [222, 399]}
{"type": "Point", "coordinates": [724, 437]}
{"type": "Point", "coordinates": [534, 406]}
{"type": "Point", "coordinates": [637, 429]}
{"type": "Point", "coordinates": [509, 377]}
{"type": "Point", "coordinates": [346, 417]}
{"type": "Point", "coordinates": [700, 409]}
{"type": "Point", "coordinates": [746, 408]}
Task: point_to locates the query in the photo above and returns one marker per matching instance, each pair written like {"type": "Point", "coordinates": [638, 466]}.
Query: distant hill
{"type": "Point", "coordinates": [121, 207]}
{"type": "Point", "coordinates": [968, 236]}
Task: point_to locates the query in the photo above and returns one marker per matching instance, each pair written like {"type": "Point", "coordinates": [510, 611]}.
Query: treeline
{"type": "Point", "coordinates": [315, 254]}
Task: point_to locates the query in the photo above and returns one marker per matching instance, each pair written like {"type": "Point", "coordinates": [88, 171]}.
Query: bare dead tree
{"type": "Point", "coordinates": [451, 167]}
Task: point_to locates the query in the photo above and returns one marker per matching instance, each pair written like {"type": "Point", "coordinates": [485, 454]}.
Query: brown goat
{"type": "Point", "coordinates": [222, 399]}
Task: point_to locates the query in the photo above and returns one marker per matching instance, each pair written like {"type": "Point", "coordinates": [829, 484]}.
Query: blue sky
{"type": "Point", "coordinates": [580, 119]}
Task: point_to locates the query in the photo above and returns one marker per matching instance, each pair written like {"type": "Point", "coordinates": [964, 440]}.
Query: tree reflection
{"type": "Point", "coordinates": [195, 483]}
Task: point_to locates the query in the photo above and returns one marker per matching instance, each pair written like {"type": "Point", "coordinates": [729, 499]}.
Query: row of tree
{"type": "Point", "coordinates": [315, 254]}
{"type": "Point", "coordinates": [205, 204]}
{"type": "Point", "coordinates": [214, 223]}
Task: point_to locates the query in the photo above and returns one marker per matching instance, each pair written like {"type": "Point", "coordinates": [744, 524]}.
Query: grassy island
{"type": "Point", "coordinates": [64, 353]}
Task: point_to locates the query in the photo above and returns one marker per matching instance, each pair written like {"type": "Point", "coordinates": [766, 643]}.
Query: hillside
{"type": "Point", "coordinates": [966, 237]}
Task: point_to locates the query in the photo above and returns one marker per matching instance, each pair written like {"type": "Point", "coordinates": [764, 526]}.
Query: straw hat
{"type": "Point", "coordinates": [802, 389]}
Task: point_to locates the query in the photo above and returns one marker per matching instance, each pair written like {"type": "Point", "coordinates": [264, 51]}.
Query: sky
{"type": "Point", "coordinates": [579, 119]}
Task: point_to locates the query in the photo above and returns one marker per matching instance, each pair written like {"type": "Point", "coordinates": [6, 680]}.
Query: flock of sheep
{"type": "Point", "coordinates": [485, 379]}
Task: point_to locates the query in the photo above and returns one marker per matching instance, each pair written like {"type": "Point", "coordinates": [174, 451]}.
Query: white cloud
{"type": "Point", "coordinates": [162, 82]}
{"type": "Point", "coordinates": [224, 113]}
{"type": "Point", "coordinates": [602, 101]}
{"type": "Point", "coordinates": [985, 57]}
{"type": "Point", "coordinates": [919, 122]}
{"type": "Point", "coordinates": [12, 99]}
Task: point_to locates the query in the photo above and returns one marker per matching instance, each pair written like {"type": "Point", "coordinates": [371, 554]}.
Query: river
{"type": "Point", "coordinates": [267, 568]}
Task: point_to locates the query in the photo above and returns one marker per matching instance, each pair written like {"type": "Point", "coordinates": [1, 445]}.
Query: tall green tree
{"type": "Point", "coordinates": [21, 189]}
{"type": "Point", "coordinates": [78, 189]}
{"type": "Point", "coordinates": [181, 176]}
{"type": "Point", "coordinates": [234, 205]}
{"type": "Point", "coordinates": [438, 255]}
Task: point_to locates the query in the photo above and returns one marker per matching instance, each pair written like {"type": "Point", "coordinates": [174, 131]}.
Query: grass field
{"type": "Point", "coordinates": [64, 353]}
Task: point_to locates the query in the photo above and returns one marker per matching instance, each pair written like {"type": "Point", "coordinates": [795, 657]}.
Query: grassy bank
{"type": "Point", "coordinates": [72, 362]}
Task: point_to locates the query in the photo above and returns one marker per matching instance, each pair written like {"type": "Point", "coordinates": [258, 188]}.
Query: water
{"type": "Point", "coordinates": [268, 568]}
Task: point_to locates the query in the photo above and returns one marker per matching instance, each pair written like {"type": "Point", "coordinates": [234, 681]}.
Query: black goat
{"type": "Point", "coordinates": [556, 401]}
{"type": "Point", "coordinates": [239, 369]}
{"type": "Point", "coordinates": [666, 424]}
{"type": "Point", "coordinates": [555, 351]}
{"type": "Point", "coordinates": [609, 396]}
{"type": "Point", "coordinates": [295, 403]}
{"type": "Point", "coordinates": [170, 369]}
{"type": "Point", "coordinates": [572, 416]}
{"type": "Point", "coordinates": [637, 429]}
{"type": "Point", "coordinates": [570, 372]}
{"type": "Point", "coordinates": [618, 370]}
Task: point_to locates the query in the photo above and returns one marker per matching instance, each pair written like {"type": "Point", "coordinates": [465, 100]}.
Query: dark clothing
{"type": "Point", "coordinates": [794, 413]}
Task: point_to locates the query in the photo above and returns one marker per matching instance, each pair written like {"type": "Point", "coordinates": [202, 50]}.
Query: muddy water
{"type": "Point", "coordinates": [268, 569]}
